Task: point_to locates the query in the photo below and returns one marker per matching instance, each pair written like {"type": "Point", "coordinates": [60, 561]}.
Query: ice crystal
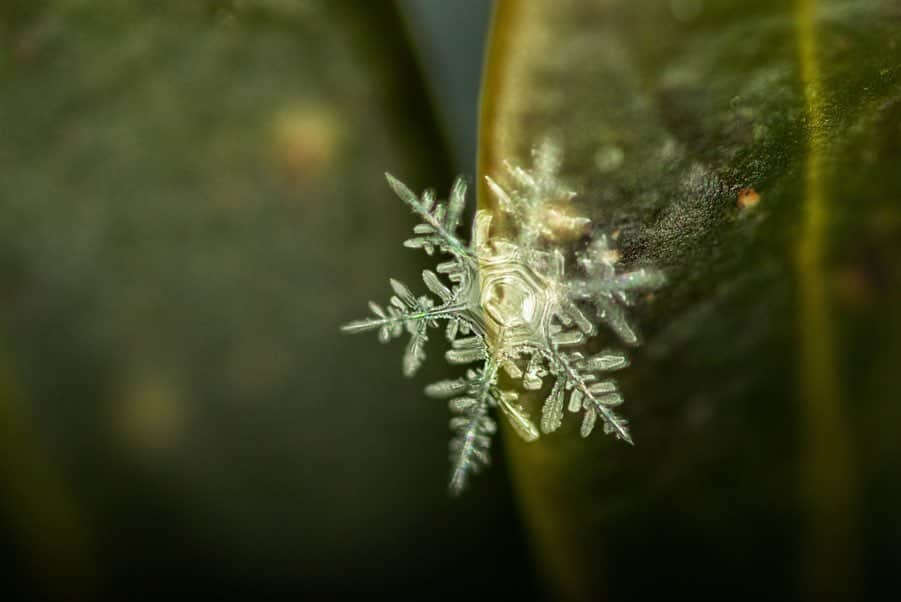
{"type": "Point", "coordinates": [510, 305]}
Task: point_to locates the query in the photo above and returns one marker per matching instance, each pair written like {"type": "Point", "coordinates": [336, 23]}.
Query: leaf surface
{"type": "Point", "coordinates": [751, 152]}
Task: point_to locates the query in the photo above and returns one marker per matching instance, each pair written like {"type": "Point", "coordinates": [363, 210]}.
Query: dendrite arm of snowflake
{"type": "Point", "coordinates": [439, 222]}
{"type": "Point", "coordinates": [608, 290]}
{"type": "Point", "coordinates": [470, 400]}
{"type": "Point", "coordinates": [407, 312]}
{"type": "Point", "coordinates": [596, 397]}
{"type": "Point", "coordinates": [537, 200]}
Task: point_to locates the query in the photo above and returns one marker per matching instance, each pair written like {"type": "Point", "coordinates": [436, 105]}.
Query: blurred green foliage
{"type": "Point", "coordinates": [192, 201]}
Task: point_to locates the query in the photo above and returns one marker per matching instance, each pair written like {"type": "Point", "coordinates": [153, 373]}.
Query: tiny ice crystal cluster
{"type": "Point", "coordinates": [510, 304]}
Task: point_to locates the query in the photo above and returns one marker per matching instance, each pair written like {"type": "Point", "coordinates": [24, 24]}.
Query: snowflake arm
{"type": "Point", "coordinates": [595, 397]}
{"type": "Point", "coordinates": [407, 312]}
{"type": "Point", "coordinates": [471, 399]}
{"type": "Point", "coordinates": [608, 290]}
{"type": "Point", "coordinates": [439, 221]}
{"type": "Point", "coordinates": [538, 200]}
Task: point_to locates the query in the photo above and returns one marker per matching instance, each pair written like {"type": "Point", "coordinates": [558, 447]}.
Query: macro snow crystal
{"type": "Point", "coordinates": [510, 304]}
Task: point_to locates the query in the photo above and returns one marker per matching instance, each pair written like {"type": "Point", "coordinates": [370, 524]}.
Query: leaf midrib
{"type": "Point", "coordinates": [827, 479]}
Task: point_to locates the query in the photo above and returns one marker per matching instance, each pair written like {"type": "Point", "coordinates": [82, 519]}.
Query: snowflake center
{"type": "Point", "coordinates": [510, 302]}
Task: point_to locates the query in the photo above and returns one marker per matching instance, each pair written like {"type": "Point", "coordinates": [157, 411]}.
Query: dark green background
{"type": "Point", "coordinates": [192, 201]}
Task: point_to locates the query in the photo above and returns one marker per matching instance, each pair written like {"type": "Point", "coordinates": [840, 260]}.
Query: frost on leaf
{"type": "Point", "coordinates": [512, 304]}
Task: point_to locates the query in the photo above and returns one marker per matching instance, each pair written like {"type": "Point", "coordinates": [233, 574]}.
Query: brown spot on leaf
{"type": "Point", "coordinates": [747, 198]}
{"type": "Point", "coordinates": [304, 143]}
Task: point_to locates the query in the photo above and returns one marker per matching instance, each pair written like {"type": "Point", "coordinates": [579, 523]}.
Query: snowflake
{"type": "Point", "coordinates": [509, 304]}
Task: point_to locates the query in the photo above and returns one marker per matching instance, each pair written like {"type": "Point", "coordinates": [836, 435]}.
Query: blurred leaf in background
{"type": "Point", "coordinates": [191, 203]}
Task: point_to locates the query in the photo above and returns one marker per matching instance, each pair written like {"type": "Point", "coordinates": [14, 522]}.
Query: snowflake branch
{"type": "Point", "coordinates": [616, 423]}
{"type": "Point", "coordinates": [424, 211]}
{"type": "Point", "coordinates": [474, 428]}
{"type": "Point", "coordinates": [406, 311]}
{"type": "Point", "coordinates": [443, 312]}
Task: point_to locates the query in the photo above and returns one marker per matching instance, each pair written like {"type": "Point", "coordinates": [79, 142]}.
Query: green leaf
{"type": "Point", "coordinates": [191, 203]}
{"type": "Point", "coordinates": [751, 152]}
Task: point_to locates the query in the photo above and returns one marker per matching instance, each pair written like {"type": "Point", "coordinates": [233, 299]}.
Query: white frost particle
{"type": "Point", "coordinates": [511, 303]}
